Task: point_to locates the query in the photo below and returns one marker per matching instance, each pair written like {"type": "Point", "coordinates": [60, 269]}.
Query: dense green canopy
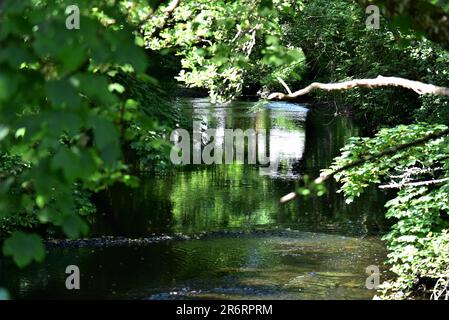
{"type": "Point", "coordinates": [83, 109]}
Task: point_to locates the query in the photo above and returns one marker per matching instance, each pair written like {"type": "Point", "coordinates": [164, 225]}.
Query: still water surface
{"type": "Point", "coordinates": [313, 248]}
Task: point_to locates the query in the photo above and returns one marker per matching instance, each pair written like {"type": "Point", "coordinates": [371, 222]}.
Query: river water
{"type": "Point", "coordinates": [256, 248]}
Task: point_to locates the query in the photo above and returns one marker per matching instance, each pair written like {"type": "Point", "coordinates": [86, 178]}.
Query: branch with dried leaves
{"type": "Point", "coordinates": [413, 184]}
{"type": "Point", "coordinates": [441, 289]}
{"type": "Point", "coordinates": [370, 157]}
{"type": "Point", "coordinates": [420, 88]}
{"type": "Point", "coordinates": [410, 178]}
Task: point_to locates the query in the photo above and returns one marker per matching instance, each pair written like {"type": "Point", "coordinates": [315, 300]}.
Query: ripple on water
{"type": "Point", "coordinates": [290, 265]}
{"type": "Point", "coordinates": [304, 266]}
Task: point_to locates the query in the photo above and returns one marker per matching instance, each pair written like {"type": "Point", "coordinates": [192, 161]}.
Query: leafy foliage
{"type": "Point", "coordinates": [79, 111]}
{"type": "Point", "coordinates": [150, 115]}
{"type": "Point", "coordinates": [223, 43]}
{"type": "Point", "coordinates": [24, 248]}
{"type": "Point", "coordinates": [339, 47]}
{"type": "Point", "coordinates": [418, 241]}
{"type": "Point", "coordinates": [60, 112]}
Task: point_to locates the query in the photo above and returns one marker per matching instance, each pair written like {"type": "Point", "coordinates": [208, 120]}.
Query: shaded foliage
{"type": "Point", "coordinates": [418, 241]}
{"type": "Point", "coordinates": [63, 114]}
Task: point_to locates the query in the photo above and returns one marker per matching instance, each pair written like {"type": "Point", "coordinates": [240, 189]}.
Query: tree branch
{"type": "Point", "coordinates": [284, 85]}
{"type": "Point", "coordinates": [390, 151]}
{"type": "Point", "coordinates": [168, 14]}
{"type": "Point", "coordinates": [387, 152]}
{"type": "Point", "coordinates": [150, 14]}
{"type": "Point", "coordinates": [381, 81]}
{"type": "Point", "coordinates": [413, 184]}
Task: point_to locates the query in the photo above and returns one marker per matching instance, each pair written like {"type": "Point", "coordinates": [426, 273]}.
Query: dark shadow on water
{"type": "Point", "coordinates": [298, 266]}
{"type": "Point", "coordinates": [233, 196]}
{"type": "Point", "coordinates": [324, 254]}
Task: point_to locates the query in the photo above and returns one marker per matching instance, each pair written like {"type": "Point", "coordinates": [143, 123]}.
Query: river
{"type": "Point", "coordinates": [252, 247]}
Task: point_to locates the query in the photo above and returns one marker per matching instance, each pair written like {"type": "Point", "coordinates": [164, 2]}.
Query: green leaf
{"type": "Point", "coordinates": [15, 56]}
{"type": "Point", "coordinates": [66, 161]}
{"type": "Point", "coordinates": [24, 248]}
{"type": "Point", "coordinates": [4, 88]}
{"type": "Point", "coordinates": [20, 133]}
{"type": "Point", "coordinates": [60, 121]}
{"type": "Point", "coordinates": [130, 54]}
{"type": "Point", "coordinates": [116, 87]}
{"type": "Point", "coordinates": [62, 93]}
{"type": "Point", "coordinates": [74, 165]}
{"type": "Point", "coordinates": [73, 57]}
{"type": "Point", "coordinates": [74, 226]}
{"type": "Point", "coordinates": [96, 88]}
{"type": "Point", "coordinates": [40, 201]}
{"type": "Point", "coordinates": [106, 138]}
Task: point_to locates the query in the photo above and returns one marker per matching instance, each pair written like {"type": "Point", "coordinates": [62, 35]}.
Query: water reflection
{"type": "Point", "coordinates": [324, 253]}
{"type": "Point", "coordinates": [298, 265]}
{"type": "Point", "coordinates": [210, 197]}
{"type": "Point", "coordinates": [278, 132]}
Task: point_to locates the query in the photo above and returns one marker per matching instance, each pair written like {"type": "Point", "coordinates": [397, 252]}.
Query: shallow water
{"type": "Point", "coordinates": [321, 253]}
{"type": "Point", "coordinates": [297, 265]}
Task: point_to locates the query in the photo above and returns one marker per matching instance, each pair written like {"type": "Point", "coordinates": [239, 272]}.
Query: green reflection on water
{"type": "Point", "coordinates": [323, 256]}
{"type": "Point", "coordinates": [298, 265]}
{"type": "Point", "coordinates": [211, 197]}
